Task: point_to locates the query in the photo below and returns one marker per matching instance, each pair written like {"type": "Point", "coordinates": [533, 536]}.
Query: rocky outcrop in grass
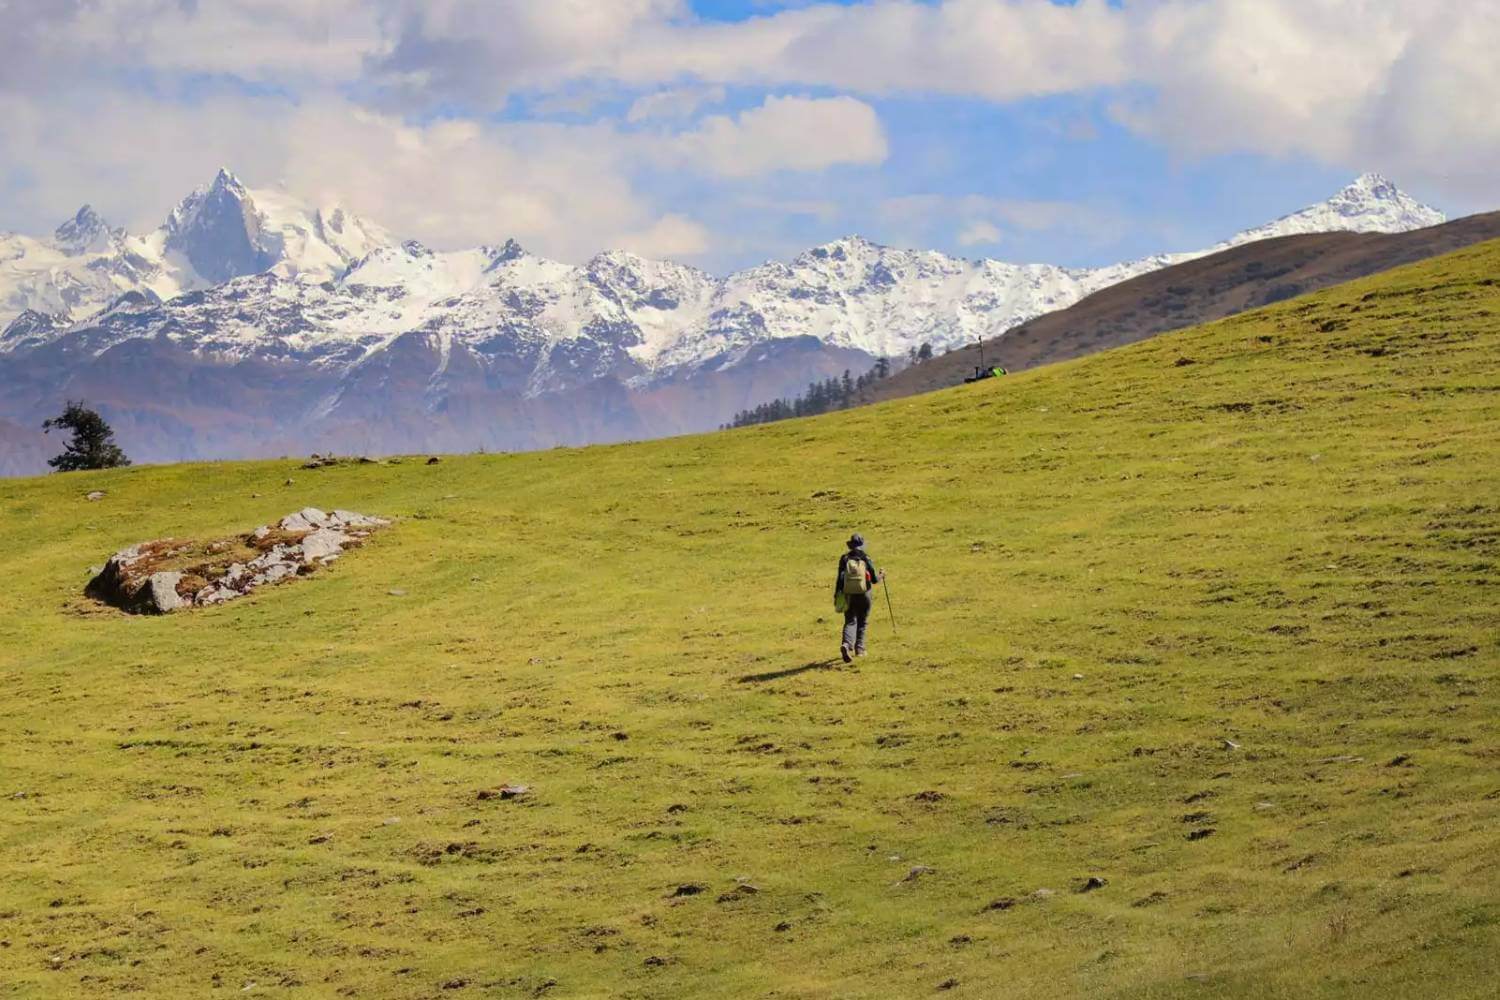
{"type": "Point", "coordinates": [171, 574]}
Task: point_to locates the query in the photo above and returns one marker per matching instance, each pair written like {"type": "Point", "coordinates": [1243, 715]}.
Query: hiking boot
{"type": "Point", "coordinates": [846, 653]}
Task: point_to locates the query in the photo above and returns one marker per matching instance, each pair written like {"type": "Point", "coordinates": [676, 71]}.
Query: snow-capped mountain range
{"type": "Point", "coordinates": [218, 232]}
{"type": "Point", "coordinates": [371, 327]}
{"type": "Point", "coordinates": [1371, 204]}
{"type": "Point", "coordinates": [327, 285]}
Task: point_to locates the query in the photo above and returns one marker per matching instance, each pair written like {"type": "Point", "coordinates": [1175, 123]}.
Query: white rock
{"type": "Point", "coordinates": [352, 519]}
{"type": "Point", "coordinates": [214, 595]}
{"type": "Point", "coordinates": [278, 571]}
{"type": "Point", "coordinates": [160, 592]}
{"type": "Point", "coordinates": [275, 555]}
{"type": "Point", "coordinates": [325, 543]}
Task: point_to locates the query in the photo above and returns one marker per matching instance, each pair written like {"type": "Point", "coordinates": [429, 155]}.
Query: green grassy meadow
{"type": "Point", "coordinates": [1280, 531]}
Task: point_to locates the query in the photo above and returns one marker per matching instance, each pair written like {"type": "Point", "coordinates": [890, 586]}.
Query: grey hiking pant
{"type": "Point", "coordinates": [856, 616]}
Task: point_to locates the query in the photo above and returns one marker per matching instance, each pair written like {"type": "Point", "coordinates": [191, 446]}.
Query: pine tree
{"type": "Point", "coordinates": [92, 445]}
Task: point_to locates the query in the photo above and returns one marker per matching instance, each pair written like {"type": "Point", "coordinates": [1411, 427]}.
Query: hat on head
{"type": "Point", "coordinates": [856, 540]}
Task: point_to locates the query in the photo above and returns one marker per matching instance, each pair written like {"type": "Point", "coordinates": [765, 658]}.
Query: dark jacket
{"type": "Point", "coordinates": [872, 574]}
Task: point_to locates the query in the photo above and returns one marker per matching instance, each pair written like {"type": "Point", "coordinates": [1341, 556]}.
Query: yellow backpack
{"type": "Point", "coordinates": [856, 576]}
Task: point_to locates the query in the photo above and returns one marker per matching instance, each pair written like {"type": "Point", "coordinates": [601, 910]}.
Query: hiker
{"type": "Point", "coordinates": [851, 595]}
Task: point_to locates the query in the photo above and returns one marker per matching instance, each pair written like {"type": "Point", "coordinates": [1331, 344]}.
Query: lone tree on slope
{"type": "Point", "coordinates": [92, 446]}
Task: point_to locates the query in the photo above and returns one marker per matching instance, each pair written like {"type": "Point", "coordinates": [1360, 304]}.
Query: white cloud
{"type": "Point", "coordinates": [785, 133]}
{"type": "Point", "coordinates": [1434, 120]}
{"type": "Point", "coordinates": [999, 49]}
{"type": "Point", "coordinates": [1277, 76]}
{"type": "Point", "coordinates": [477, 52]}
{"type": "Point", "coordinates": [49, 43]}
{"type": "Point", "coordinates": [674, 104]}
{"type": "Point", "coordinates": [72, 133]}
{"type": "Point", "coordinates": [979, 233]}
{"type": "Point", "coordinates": [978, 219]}
{"type": "Point", "coordinates": [557, 189]}
{"type": "Point", "coordinates": [672, 236]}
{"type": "Point", "coordinates": [1404, 87]}
{"type": "Point", "coordinates": [561, 190]}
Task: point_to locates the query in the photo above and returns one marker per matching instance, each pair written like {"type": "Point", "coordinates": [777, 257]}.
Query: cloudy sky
{"type": "Point", "coordinates": [725, 132]}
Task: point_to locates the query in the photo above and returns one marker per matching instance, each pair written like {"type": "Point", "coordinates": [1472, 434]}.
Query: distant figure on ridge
{"type": "Point", "coordinates": [851, 595]}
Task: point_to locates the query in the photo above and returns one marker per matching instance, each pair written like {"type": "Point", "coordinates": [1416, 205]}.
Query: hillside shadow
{"type": "Point", "coordinates": [776, 675]}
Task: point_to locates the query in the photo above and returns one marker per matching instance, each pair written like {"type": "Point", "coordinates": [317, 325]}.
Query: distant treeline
{"type": "Point", "coordinates": [833, 393]}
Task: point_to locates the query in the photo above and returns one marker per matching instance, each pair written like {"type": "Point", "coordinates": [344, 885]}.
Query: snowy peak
{"type": "Point", "coordinates": [318, 243]}
{"type": "Point", "coordinates": [221, 231]}
{"type": "Point", "coordinates": [1370, 204]}
{"type": "Point", "coordinates": [86, 232]}
{"type": "Point", "coordinates": [224, 189]}
{"type": "Point", "coordinates": [1374, 185]}
{"type": "Point", "coordinates": [218, 231]}
{"type": "Point", "coordinates": [348, 235]}
{"type": "Point", "coordinates": [31, 328]}
{"type": "Point", "coordinates": [855, 248]}
{"type": "Point", "coordinates": [660, 301]}
{"type": "Point", "coordinates": [227, 230]}
{"type": "Point", "coordinates": [635, 279]}
{"type": "Point", "coordinates": [1374, 203]}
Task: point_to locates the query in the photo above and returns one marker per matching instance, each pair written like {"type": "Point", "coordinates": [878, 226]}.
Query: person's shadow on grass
{"type": "Point", "coordinates": [776, 675]}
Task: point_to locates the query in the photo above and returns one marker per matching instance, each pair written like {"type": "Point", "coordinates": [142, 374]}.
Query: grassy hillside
{"type": "Point", "coordinates": [1212, 618]}
{"type": "Point", "coordinates": [1198, 291]}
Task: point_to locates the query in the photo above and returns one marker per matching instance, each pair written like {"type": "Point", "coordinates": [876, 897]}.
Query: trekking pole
{"type": "Point", "coordinates": [887, 584]}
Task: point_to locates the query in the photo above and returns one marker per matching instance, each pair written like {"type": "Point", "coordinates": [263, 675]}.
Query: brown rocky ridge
{"type": "Point", "coordinates": [171, 574]}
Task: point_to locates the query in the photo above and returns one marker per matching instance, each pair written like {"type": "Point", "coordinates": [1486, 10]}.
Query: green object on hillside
{"type": "Point", "coordinates": [1220, 640]}
{"type": "Point", "coordinates": [982, 372]}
